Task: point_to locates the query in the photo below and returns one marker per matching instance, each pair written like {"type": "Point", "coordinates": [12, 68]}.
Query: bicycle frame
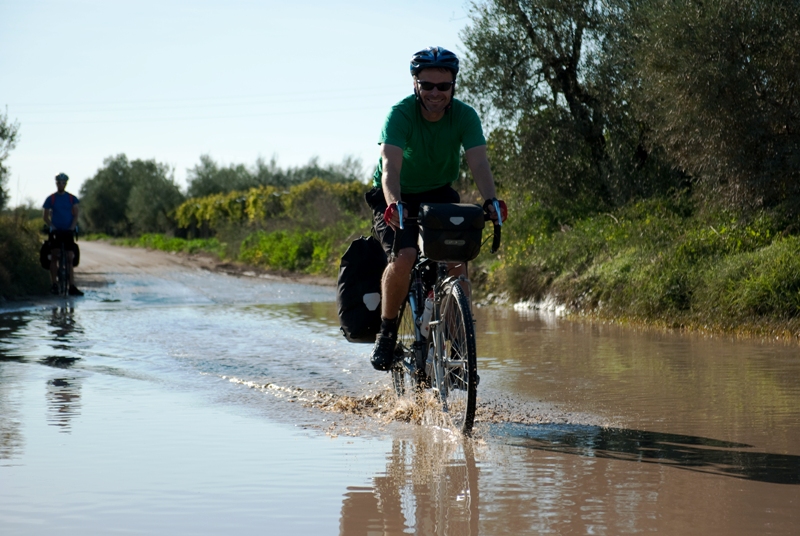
{"type": "Point", "coordinates": [445, 359]}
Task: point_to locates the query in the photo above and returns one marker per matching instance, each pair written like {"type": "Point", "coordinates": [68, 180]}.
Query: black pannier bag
{"type": "Point", "coordinates": [358, 294]}
{"type": "Point", "coordinates": [44, 254]}
{"type": "Point", "coordinates": [450, 231]}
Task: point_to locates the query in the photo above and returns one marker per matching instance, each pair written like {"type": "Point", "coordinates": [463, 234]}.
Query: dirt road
{"type": "Point", "coordinates": [100, 260]}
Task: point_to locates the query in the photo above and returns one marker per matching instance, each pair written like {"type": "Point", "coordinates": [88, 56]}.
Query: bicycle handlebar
{"type": "Point", "coordinates": [498, 226]}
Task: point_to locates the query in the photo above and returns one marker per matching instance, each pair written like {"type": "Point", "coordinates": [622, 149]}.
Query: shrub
{"type": "Point", "coordinates": [20, 271]}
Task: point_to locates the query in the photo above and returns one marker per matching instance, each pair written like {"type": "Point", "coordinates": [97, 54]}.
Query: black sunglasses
{"type": "Point", "coordinates": [441, 86]}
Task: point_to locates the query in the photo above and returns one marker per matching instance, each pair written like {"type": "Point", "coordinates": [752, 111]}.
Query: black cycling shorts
{"type": "Point", "coordinates": [60, 236]}
{"type": "Point", "coordinates": [410, 233]}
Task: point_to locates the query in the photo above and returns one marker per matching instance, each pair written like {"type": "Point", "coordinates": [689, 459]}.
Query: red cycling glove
{"type": "Point", "coordinates": [503, 207]}
{"type": "Point", "coordinates": [390, 211]}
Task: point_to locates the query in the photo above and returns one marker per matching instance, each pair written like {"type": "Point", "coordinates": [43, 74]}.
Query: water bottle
{"type": "Point", "coordinates": [424, 328]}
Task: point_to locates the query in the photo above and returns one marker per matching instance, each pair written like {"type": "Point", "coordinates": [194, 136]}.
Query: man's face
{"type": "Point", "coordinates": [61, 185]}
{"type": "Point", "coordinates": [435, 100]}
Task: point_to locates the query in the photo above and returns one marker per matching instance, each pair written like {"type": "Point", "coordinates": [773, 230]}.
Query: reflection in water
{"type": "Point", "coordinates": [10, 421]}
{"type": "Point", "coordinates": [63, 402]}
{"type": "Point", "coordinates": [11, 439]}
{"type": "Point", "coordinates": [685, 452]}
{"type": "Point", "coordinates": [63, 394]}
{"type": "Point", "coordinates": [62, 320]}
{"type": "Point", "coordinates": [430, 487]}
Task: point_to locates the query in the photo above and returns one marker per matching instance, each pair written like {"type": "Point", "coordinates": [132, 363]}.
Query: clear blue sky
{"type": "Point", "coordinates": [237, 79]}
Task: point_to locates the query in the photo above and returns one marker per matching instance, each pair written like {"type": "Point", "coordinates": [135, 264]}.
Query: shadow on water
{"type": "Point", "coordinates": [429, 487]}
{"type": "Point", "coordinates": [681, 451]}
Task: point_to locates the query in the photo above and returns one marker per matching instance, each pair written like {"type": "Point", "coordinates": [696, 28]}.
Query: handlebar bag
{"type": "Point", "coordinates": [450, 231]}
{"type": "Point", "coordinates": [358, 290]}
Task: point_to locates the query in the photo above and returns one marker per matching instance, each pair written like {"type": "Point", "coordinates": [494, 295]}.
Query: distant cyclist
{"type": "Point", "coordinates": [61, 216]}
{"type": "Point", "coordinates": [421, 145]}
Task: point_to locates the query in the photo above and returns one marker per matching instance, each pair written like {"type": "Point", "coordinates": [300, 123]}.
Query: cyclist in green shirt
{"type": "Point", "coordinates": [421, 144]}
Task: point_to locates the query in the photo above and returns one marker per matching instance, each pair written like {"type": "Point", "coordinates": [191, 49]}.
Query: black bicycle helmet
{"type": "Point", "coordinates": [434, 57]}
{"type": "Point", "coordinates": [62, 177]}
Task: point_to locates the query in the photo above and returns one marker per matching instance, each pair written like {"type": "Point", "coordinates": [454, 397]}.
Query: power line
{"type": "Point", "coordinates": [204, 118]}
{"type": "Point", "coordinates": [217, 101]}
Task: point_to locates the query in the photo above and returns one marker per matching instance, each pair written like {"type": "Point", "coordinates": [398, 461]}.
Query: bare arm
{"type": "Point", "coordinates": [478, 163]}
{"type": "Point", "coordinates": [74, 222]}
{"type": "Point", "coordinates": [392, 157]}
{"type": "Point", "coordinates": [46, 217]}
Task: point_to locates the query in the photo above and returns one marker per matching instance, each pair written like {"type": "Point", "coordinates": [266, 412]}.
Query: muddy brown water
{"type": "Point", "coordinates": [176, 400]}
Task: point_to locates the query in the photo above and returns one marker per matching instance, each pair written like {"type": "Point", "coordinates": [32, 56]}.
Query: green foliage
{"type": "Point", "coordinates": [763, 282]}
{"type": "Point", "coordinates": [314, 203]}
{"type": "Point", "coordinates": [174, 244]}
{"type": "Point", "coordinates": [209, 178]}
{"type": "Point", "coordinates": [9, 132]}
{"type": "Point", "coordinates": [104, 198]}
{"type": "Point", "coordinates": [304, 228]}
{"type": "Point", "coordinates": [153, 197]}
{"type": "Point", "coordinates": [593, 104]}
{"type": "Point", "coordinates": [719, 92]}
{"type": "Point", "coordinates": [20, 271]}
{"type": "Point", "coordinates": [295, 251]}
{"type": "Point", "coordinates": [658, 260]}
{"type": "Point", "coordinates": [129, 197]}
{"type": "Point", "coordinates": [554, 79]}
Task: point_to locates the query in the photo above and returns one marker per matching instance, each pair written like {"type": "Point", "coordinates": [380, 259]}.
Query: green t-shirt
{"type": "Point", "coordinates": [431, 150]}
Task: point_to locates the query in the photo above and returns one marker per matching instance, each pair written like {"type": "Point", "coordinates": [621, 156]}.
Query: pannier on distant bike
{"type": "Point", "coordinates": [44, 254]}
{"type": "Point", "coordinates": [450, 231]}
{"type": "Point", "coordinates": [358, 294]}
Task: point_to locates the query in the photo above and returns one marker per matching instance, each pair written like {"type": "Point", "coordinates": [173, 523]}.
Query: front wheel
{"type": "Point", "coordinates": [403, 371]}
{"type": "Point", "coordinates": [63, 272]}
{"type": "Point", "coordinates": [455, 362]}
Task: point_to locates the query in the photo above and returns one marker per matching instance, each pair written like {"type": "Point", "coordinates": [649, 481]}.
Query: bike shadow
{"type": "Point", "coordinates": [692, 453]}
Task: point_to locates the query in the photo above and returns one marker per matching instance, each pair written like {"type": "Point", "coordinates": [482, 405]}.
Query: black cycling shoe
{"type": "Point", "coordinates": [383, 353]}
{"type": "Point", "coordinates": [54, 288]}
{"type": "Point", "coordinates": [73, 291]}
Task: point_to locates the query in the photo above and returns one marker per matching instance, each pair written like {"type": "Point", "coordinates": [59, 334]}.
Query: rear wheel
{"type": "Point", "coordinates": [455, 358]}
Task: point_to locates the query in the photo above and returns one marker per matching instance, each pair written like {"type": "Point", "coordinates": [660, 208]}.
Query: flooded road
{"type": "Point", "coordinates": [176, 400]}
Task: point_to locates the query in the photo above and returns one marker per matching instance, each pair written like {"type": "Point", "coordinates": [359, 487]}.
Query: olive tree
{"type": "Point", "coordinates": [553, 77]}
{"type": "Point", "coordinates": [720, 86]}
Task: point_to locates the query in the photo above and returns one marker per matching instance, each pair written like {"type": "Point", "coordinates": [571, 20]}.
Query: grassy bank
{"type": "Point", "coordinates": [660, 262]}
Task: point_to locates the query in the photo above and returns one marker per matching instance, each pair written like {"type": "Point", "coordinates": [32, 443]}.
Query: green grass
{"type": "Point", "coordinates": [656, 262]}
{"type": "Point", "coordinates": [173, 244]}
